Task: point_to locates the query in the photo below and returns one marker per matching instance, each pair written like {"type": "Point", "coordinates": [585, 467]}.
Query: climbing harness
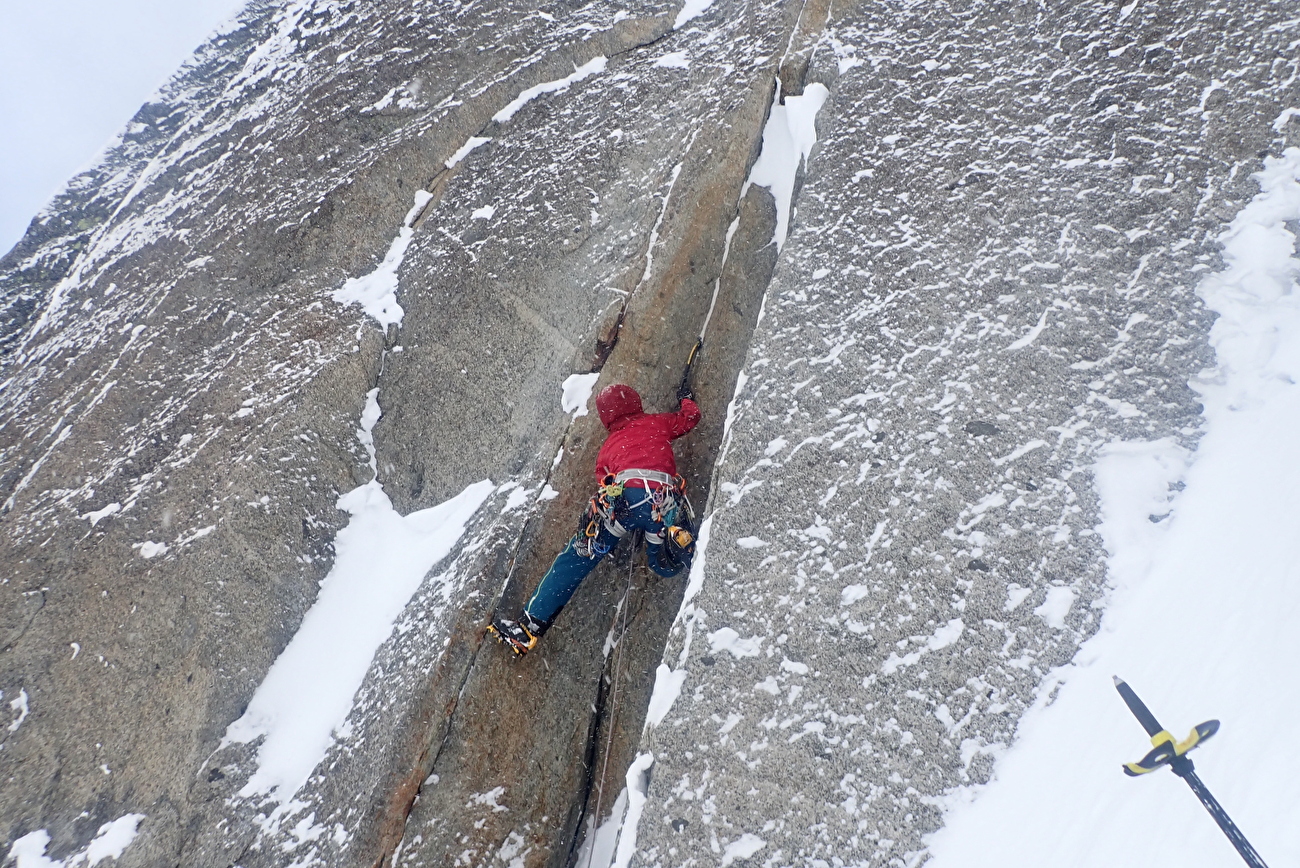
{"type": "Point", "coordinates": [664, 479]}
{"type": "Point", "coordinates": [602, 509]}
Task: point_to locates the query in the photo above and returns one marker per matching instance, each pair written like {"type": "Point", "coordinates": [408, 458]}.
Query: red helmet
{"type": "Point", "coordinates": [616, 401]}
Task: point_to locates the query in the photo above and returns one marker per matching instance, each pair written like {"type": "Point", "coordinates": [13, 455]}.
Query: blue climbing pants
{"type": "Point", "coordinates": [632, 510]}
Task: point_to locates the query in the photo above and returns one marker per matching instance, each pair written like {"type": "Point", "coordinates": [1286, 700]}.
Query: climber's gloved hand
{"type": "Point", "coordinates": [684, 393]}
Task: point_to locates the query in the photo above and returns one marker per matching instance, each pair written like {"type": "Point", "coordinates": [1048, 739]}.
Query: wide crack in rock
{"type": "Point", "coordinates": [540, 727]}
{"type": "Point", "coordinates": [473, 752]}
{"type": "Point", "coordinates": [534, 752]}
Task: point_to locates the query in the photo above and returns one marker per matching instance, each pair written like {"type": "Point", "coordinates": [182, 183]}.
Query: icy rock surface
{"type": "Point", "coordinates": [991, 275]}
{"type": "Point", "coordinates": [182, 385]}
{"type": "Point", "coordinates": [988, 274]}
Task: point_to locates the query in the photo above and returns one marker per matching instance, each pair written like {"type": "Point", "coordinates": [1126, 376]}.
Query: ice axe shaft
{"type": "Point", "coordinates": [690, 363]}
{"type": "Point", "coordinates": [1182, 766]}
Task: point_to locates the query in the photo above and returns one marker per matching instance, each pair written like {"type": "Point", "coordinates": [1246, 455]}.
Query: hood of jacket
{"type": "Point", "coordinates": [617, 402]}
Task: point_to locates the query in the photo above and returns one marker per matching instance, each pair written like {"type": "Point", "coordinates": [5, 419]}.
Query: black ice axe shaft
{"type": "Point", "coordinates": [690, 363]}
{"type": "Point", "coordinates": [1182, 766]}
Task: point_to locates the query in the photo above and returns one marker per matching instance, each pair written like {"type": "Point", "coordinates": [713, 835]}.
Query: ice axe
{"type": "Point", "coordinates": [684, 388]}
{"type": "Point", "coordinates": [1168, 751]}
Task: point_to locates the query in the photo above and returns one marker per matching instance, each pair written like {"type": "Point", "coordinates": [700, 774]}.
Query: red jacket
{"type": "Point", "coordinates": [639, 440]}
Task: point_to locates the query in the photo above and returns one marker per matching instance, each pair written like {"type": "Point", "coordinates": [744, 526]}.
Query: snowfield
{"type": "Point", "coordinates": [1200, 617]}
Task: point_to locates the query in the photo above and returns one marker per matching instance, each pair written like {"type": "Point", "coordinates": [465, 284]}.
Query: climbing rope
{"type": "Point", "coordinates": [613, 698]}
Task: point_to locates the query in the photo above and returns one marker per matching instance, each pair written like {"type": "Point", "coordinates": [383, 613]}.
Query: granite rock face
{"type": "Point", "coordinates": [182, 394]}
{"type": "Point", "coordinates": [991, 277]}
{"type": "Point", "coordinates": [989, 274]}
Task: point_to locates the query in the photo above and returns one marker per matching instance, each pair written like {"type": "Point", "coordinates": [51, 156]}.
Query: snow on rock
{"type": "Point", "coordinates": [668, 686]}
{"type": "Point", "coordinates": [691, 9]}
{"type": "Point", "coordinates": [266, 166]}
{"type": "Point", "coordinates": [599, 847]}
{"type": "Point", "coordinates": [20, 709]}
{"type": "Point", "coordinates": [982, 294]}
{"type": "Point", "coordinates": [381, 558]}
{"type": "Point", "coordinates": [788, 140]}
{"type": "Point", "coordinates": [1056, 607]}
{"type": "Point", "coordinates": [674, 60]}
{"type": "Point", "coordinates": [595, 66]}
{"type": "Point", "coordinates": [464, 150]}
{"type": "Point", "coordinates": [638, 781]}
{"type": "Point", "coordinates": [150, 549]}
{"type": "Point", "coordinates": [942, 638]}
{"type": "Point", "coordinates": [110, 842]}
{"type": "Point", "coordinates": [575, 393]}
{"type": "Point", "coordinates": [98, 515]}
{"type": "Point", "coordinates": [978, 179]}
{"type": "Point", "coordinates": [742, 848]}
{"type": "Point", "coordinates": [1204, 558]}
{"type": "Point", "coordinates": [376, 292]}
{"type": "Point", "coordinates": [729, 640]}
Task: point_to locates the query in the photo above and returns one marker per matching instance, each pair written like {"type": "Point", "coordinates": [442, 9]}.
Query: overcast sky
{"type": "Point", "coordinates": [72, 73]}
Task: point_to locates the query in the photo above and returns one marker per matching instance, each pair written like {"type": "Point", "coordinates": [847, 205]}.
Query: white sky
{"type": "Point", "coordinates": [72, 73]}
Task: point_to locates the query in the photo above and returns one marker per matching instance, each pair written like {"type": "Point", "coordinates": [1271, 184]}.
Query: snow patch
{"type": "Point", "coordinates": [489, 799]}
{"type": "Point", "coordinates": [100, 514]}
{"type": "Point", "coordinates": [788, 139]}
{"type": "Point", "coordinates": [576, 392]}
{"type": "Point", "coordinates": [464, 150]}
{"type": "Point", "coordinates": [638, 782]}
{"type": "Point", "coordinates": [1016, 453]}
{"type": "Point", "coordinates": [19, 708]}
{"type": "Point", "coordinates": [598, 848]}
{"type": "Point", "coordinates": [1056, 607]}
{"type": "Point", "coordinates": [1032, 334]}
{"type": "Point", "coordinates": [674, 60]}
{"type": "Point", "coordinates": [942, 638]}
{"type": "Point", "coordinates": [727, 639]}
{"type": "Point", "coordinates": [110, 842]}
{"type": "Point", "coordinates": [852, 593]}
{"type": "Point", "coordinates": [381, 558]}
{"type": "Point", "coordinates": [742, 848]}
{"type": "Point", "coordinates": [592, 67]}
{"type": "Point", "coordinates": [150, 549]}
{"type": "Point", "coordinates": [376, 292]}
{"type": "Point", "coordinates": [695, 580]}
{"type": "Point", "coordinates": [1015, 596]}
{"type": "Point", "coordinates": [668, 686]}
{"type": "Point", "coordinates": [518, 497]}
{"type": "Point", "coordinates": [691, 9]}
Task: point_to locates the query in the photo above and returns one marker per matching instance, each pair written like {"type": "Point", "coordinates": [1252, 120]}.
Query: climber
{"type": "Point", "coordinates": [639, 489]}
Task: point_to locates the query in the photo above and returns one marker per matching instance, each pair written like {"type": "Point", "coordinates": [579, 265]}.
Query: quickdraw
{"type": "Point", "coordinates": [602, 505]}
{"type": "Point", "coordinates": [663, 500]}
{"type": "Point", "coordinates": [599, 510]}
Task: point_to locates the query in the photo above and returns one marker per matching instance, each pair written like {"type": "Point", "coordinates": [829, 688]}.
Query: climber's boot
{"type": "Point", "coordinates": [521, 636]}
